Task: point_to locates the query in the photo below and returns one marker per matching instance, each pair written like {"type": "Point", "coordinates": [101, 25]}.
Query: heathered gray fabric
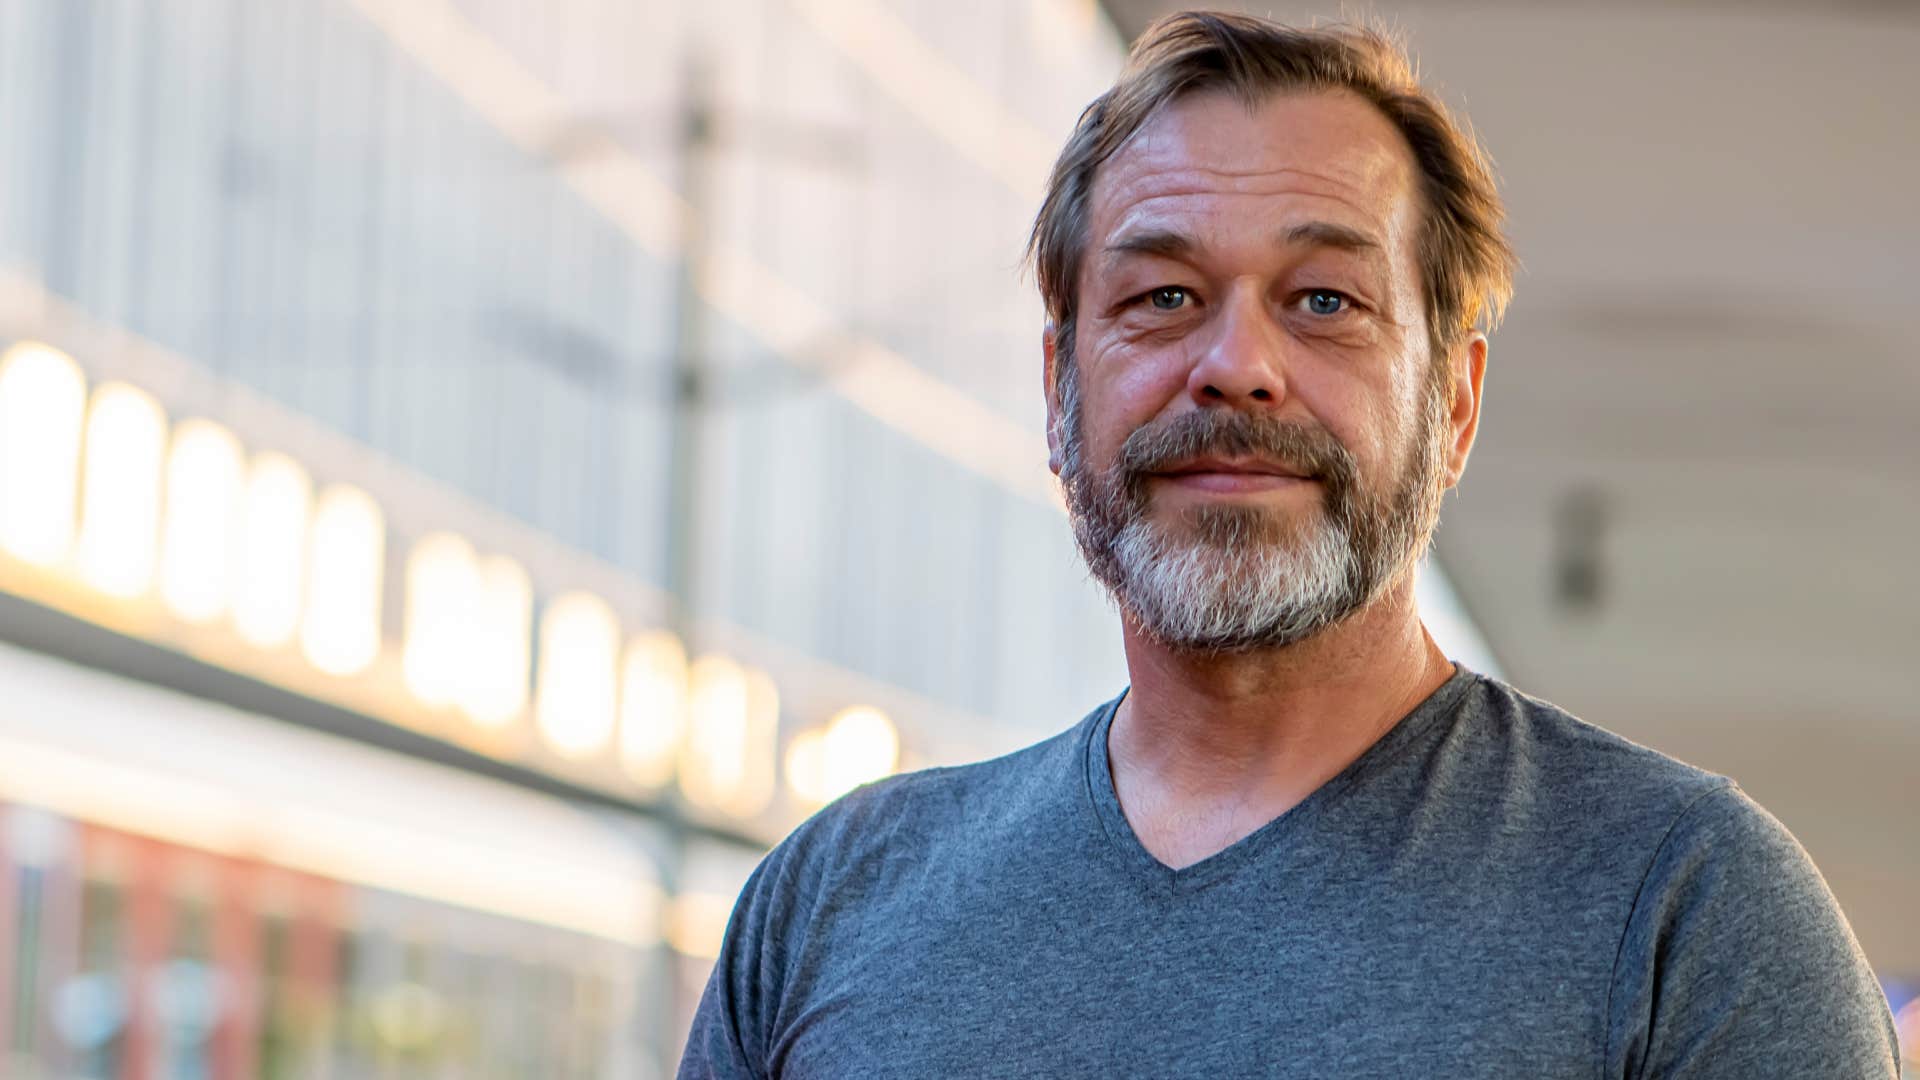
{"type": "Point", "coordinates": [1495, 889]}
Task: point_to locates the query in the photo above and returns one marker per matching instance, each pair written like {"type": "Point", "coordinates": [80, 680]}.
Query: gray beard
{"type": "Point", "coordinates": [1228, 579]}
{"type": "Point", "coordinates": [1209, 593]}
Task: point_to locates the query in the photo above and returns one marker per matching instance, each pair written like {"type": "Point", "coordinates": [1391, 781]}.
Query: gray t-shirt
{"type": "Point", "coordinates": [1494, 889]}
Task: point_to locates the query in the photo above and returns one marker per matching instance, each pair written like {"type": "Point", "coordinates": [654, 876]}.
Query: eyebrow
{"type": "Point", "coordinates": [1167, 244]}
{"type": "Point", "coordinates": [1328, 234]}
{"type": "Point", "coordinates": [1160, 242]}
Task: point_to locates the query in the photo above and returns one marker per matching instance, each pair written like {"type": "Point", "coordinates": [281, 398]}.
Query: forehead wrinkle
{"type": "Point", "coordinates": [1179, 173]}
{"type": "Point", "coordinates": [1144, 232]}
{"type": "Point", "coordinates": [1171, 157]}
{"type": "Point", "coordinates": [1183, 184]}
{"type": "Point", "coordinates": [1128, 207]}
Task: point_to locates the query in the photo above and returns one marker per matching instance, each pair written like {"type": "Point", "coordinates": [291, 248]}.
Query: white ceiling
{"type": "Point", "coordinates": [1714, 339]}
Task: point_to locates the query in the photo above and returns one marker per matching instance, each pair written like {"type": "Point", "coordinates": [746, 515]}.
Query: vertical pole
{"type": "Point", "coordinates": [690, 347]}
{"type": "Point", "coordinates": [686, 423]}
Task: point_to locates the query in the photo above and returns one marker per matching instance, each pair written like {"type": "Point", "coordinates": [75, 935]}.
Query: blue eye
{"type": "Point", "coordinates": [1168, 298]}
{"type": "Point", "coordinates": [1325, 302]}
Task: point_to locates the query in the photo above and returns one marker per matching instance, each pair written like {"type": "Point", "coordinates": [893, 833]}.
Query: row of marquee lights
{"type": "Point", "coordinates": [99, 486]}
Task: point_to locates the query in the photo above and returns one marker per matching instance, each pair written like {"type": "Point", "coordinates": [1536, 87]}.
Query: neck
{"type": "Point", "coordinates": [1207, 748]}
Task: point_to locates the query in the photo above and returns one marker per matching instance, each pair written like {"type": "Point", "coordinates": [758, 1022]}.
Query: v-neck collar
{"type": "Point", "coordinates": [1138, 862]}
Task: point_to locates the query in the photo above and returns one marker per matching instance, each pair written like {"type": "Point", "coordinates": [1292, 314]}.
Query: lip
{"type": "Point", "coordinates": [1232, 477]}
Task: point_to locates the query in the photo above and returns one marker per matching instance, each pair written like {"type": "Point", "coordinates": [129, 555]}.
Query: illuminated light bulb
{"type": "Point", "coordinates": [575, 695]}
{"type": "Point", "coordinates": [276, 512]}
{"type": "Point", "coordinates": [496, 690]}
{"type": "Point", "coordinates": [204, 470]}
{"type": "Point", "coordinates": [653, 707]}
{"type": "Point", "coordinates": [727, 755]}
{"type": "Point", "coordinates": [861, 746]}
{"type": "Point", "coordinates": [806, 765]}
{"type": "Point", "coordinates": [760, 757]}
{"type": "Point", "coordinates": [711, 754]}
{"type": "Point", "coordinates": [858, 746]}
{"type": "Point", "coordinates": [43, 400]}
{"type": "Point", "coordinates": [439, 628]}
{"type": "Point", "coordinates": [120, 490]}
{"type": "Point", "coordinates": [346, 571]}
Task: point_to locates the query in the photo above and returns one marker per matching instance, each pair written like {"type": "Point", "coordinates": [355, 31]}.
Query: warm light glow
{"type": "Point", "coordinates": [120, 490]}
{"type": "Point", "coordinates": [653, 706]}
{"type": "Point", "coordinates": [759, 764]}
{"type": "Point", "coordinates": [727, 756]}
{"type": "Point", "coordinates": [711, 754]}
{"type": "Point", "coordinates": [275, 514]}
{"type": "Point", "coordinates": [863, 746]}
{"type": "Point", "coordinates": [858, 746]}
{"type": "Point", "coordinates": [443, 588]}
{"type": "Point", "coordinates": [468, 632]}
{"type": "Point", "coordinates": [340, 626]}
{"type": "Point", "coordinates": [495, 692]}
{"type": "Point", "coordinates": [575, 693]}
{"type": "Point", "coordinates": [697, 923]}
{"type": "Point", "coordinates": [202, 520]}
{"type": "Point", "coordinates": [43, 398]}
{"type": "Point", "coordinates": [806, 765]}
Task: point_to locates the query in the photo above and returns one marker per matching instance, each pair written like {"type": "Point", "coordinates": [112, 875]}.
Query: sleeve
{"type": "Point", "coordinates": [732, 1027]}
{"type": "Point", "coordinates": [1736, 961]}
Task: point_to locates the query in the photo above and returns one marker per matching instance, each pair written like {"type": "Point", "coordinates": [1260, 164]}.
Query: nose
{"type": "Point", "coordinates": [1243, 365]}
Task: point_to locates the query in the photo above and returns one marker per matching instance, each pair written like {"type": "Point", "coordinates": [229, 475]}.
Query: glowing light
{"type": "Point", "coordinates": [575, 694]}
{"type": "Point", "coordinates": [858, 746]}
{"type": "Point", "coordinates": [340, 625]}
{"type": "Point", "coordinates": [759, 764]}
{"type": "Point", "coordinates": [697, 923]}
{"type": "Point", "coordinates": [42, 402]}
{"type": "Point", "coordinates": [202, 520]}
{"type": "Point", "coordinates": [275, 514]}
{"type": "Point", "coordinates": [727, 756]}
{"type": "Point", "coordinates": [120, 490]}
{"type": "Point", "coordinates": [653, 706]}
{"type": "Point", "coordinates": [443, 586]}
{"type": "Point", "coordinates": [806, 765]}
{"type": "Point", "coordinates": [495, 692]}
{"type": "Point", "coordinates": [711, 754]}
{"type": "Point", "coordinates": [862, 746]}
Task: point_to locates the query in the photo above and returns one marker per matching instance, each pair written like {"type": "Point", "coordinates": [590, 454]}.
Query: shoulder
{"type": "Point", "coordinates": [917, 813]}
{"type": "Point", "coordinates": [1725, 927]}
{"type": "Point", "coordinates": [1737, 961]}
{"type": "Point", "coordinates": [1561, 765]}
{"type": "Point", "coordinates": [865, 866]}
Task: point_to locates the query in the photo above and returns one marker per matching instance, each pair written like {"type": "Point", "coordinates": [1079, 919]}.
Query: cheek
{"type": "Point", "coordinates": [1365, 416]}
{"type": "Point", "coordinates": [1403, 414]}
{"type": "Point", "coordinates": [1123, 389]}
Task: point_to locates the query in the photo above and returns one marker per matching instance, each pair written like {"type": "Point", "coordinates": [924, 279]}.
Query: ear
{"type": "Point", "coordinates": [1047, 346]}
{"type": "Point", "coordinates": [1468, 366]}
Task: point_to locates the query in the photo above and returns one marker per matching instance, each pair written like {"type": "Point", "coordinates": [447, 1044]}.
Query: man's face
{"type": "Point", "coordinates": [1256, 437]}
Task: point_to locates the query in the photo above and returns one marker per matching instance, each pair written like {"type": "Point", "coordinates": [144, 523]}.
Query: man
{"type": "Point", "coordinates": [1302, 843]}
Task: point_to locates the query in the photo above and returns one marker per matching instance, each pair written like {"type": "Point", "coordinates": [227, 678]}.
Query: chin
{"type": "Point", "coordinates": [1202, 595]}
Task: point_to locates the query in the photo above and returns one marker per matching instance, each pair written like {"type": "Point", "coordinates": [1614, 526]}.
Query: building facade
{"type": "Point", "coordinates": [617, 417]}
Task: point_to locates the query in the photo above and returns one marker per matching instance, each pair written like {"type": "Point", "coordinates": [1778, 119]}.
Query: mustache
{"type": "Point", "coordinates": [1308, 450]}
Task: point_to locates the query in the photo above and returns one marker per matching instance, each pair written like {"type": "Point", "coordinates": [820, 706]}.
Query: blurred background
{"type": "Point", "coordinates": [474, 473]}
